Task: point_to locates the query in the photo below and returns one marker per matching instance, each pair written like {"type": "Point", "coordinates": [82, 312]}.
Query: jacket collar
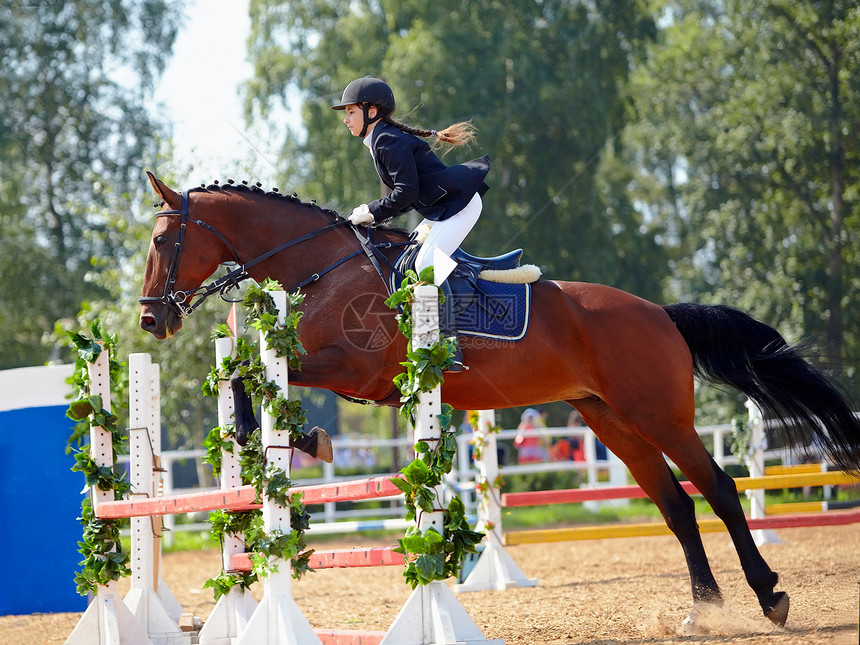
{"type": "Point", "coordinates": [379, 127]}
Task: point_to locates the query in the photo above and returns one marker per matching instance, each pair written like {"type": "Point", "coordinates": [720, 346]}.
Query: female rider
{"type": "Point", "coordinates": [448, 196]}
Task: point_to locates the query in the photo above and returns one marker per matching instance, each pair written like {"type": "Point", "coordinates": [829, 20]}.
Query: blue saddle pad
{"type": "Point", "coordinates": [499, 311]}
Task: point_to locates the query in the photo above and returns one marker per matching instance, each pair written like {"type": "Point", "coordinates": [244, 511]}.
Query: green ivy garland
{"type": "Point", "coordinates": [429, 556]}
{"type": "Point", "coordinates": [267, 479]}
{"type": "Point", "coordinates": [104, 560]}
{"type": "Point", "coordinates": [424, 365]}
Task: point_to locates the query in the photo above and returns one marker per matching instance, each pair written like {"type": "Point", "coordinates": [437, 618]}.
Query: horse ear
{"type": "Point", "coordinates": [171, 197]}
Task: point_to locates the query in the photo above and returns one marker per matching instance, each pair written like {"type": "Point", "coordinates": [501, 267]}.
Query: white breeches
{"type": "Point", "coordinates": [448, 234]}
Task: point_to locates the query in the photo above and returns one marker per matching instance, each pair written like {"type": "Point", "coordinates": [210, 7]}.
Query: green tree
{"type": "Point", "coordinates": [75, 81]}
{"type": "Point", "coordinates": [76, 133]}
{"type": "Point", "coordinates": [544, 83]}
{"type": "Point", "coordinates": [748, 139]}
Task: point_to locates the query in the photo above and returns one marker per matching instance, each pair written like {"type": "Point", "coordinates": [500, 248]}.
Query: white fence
{"type": "Point", "coordinates": [351, 452]}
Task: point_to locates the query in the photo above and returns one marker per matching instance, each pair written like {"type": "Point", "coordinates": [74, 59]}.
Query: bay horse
{"type": "Point", "coordinates": [626, 364]}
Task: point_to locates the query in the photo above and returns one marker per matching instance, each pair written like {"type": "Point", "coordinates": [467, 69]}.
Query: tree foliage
{"type": "Point", "coordinates": [75, 78]}
{"type": "Point", "coordinates": [76, 131]}
{"type": "Point", "coordinates": [746, 132]}
{"type": "Point", "coordinates": [700, 150]}
{"type": "Point", "coordinates": [544, 83]}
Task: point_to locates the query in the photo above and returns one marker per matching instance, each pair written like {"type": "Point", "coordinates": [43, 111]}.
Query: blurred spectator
{"type": "Point", "coordinates": [528, 441]}
{"type": "Point", "coordinates": [570, 448]}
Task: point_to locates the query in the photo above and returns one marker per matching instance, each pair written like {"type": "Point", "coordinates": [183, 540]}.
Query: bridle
{"type": "Point", "coordinates": [183, 303]}
{"type": "Point", "coordinates": [179, 301]}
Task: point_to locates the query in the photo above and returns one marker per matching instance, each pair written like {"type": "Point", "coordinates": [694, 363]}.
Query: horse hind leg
{"type": "Point", "coordinates": [681, 443]}
{"type": "Point", "coordinates": [654, 476]}
{"type": "Point", "coordinates": [721, 493]}
{"type": "Point", "coordinates": [678, 510]}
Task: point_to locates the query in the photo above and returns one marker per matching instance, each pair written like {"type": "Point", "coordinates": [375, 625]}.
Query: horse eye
{"type": "Point", "coordinates": [159, 240]}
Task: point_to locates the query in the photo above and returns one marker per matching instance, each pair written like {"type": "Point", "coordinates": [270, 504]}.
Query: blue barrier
{"type": "Point", "coordinates": [40, 497]}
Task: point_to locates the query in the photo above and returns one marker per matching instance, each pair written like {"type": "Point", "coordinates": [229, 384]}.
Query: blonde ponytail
{"type": "Point", "coordinates": [457, 134]}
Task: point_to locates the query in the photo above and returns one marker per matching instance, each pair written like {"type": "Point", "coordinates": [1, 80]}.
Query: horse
{"type": "Point", "coordinates": [626, 364]}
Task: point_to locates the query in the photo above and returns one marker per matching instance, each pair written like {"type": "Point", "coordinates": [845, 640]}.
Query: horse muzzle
{"type": "Point", "coordinates": [159, 320]}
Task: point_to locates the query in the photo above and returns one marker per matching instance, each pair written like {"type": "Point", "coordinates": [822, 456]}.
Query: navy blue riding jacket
{"type": "Point", "coordinates": [418, 179]}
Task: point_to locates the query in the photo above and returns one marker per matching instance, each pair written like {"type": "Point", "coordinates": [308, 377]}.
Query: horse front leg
{"type": "Point", "coordinates": [315, 443]}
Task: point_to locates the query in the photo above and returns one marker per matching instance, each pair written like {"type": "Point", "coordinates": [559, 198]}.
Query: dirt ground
{"type": "Point", "coordinates": [602, 592]}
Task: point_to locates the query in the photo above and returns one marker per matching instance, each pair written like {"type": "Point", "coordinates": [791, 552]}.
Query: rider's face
{"type": "Point", "coordinates": [354, 119]}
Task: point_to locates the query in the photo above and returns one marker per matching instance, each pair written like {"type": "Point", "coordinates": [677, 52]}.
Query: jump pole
{"type": "Point", "coordinates": [233, 610]}
{"type": "Point", "coordinates": [432, 614]}
{"type": "Point", "coordinates": [277, 620]}
{"type": "Point", "coordinates": [149, 599]}
{"type": "Point", "coordinates": [107, 620]}
{"type": "Point", "coordinates": [633, 491]}
{"type": "Point", "coordinates": [536, 536]}
{"type": "Point", "coordinates": [495, 568]}
{"type": "Point", "coordinates": [242, 498]}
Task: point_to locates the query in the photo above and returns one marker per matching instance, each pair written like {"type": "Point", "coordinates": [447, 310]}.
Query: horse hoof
{"type": "Point", "coordinates": [240, 436]}
{"type": "Point", "coordinates": [777, 611]}
{"type": "Point", "coordinates": [690, 626]}
{"type": "Point", "coordinates": [324, 450]}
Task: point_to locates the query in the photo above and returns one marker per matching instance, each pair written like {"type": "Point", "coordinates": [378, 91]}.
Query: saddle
{"type": "Point", "coordinates": [474, 265]}
{"type": "Point", "coordinates": [463, 281]}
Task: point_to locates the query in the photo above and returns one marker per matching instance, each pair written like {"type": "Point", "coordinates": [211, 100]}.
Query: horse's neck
{"type": "Point", "coordinates": [321, 254]}
{"type": "Point", "coordinates": [259, 228]}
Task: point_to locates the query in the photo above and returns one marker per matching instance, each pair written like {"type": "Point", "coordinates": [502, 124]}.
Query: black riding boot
{"type": "Point", "coordinates": [448, 327]}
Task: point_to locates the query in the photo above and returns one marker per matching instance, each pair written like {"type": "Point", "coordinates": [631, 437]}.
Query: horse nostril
{"type": "Point", "coordinates": [147, 322]}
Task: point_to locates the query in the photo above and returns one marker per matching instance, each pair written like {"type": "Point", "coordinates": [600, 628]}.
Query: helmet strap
{"type": "Point", "coordinates": [365, 108]}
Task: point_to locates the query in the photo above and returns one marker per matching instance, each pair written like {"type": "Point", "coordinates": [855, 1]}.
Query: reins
{"type": "Point", "coordinates": [180, 302]}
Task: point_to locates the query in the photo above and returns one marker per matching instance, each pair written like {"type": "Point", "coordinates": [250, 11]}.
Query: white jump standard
{"type": "Point", "coordinates": [432, 615]}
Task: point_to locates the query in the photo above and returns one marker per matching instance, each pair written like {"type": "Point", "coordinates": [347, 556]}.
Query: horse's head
{"type": "Point", "coordinates": [184, 251]}
{"type": "Point", "coordinates": [265, 234]}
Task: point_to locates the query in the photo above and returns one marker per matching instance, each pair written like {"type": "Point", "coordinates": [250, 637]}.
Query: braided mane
{"type": "Point", "coordinates": [257, 189]}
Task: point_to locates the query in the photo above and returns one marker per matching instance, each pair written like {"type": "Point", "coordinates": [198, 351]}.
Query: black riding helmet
{"type": "Point", "coordinates": [365, 92]}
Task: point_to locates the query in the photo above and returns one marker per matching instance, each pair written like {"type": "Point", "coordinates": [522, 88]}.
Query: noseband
{"type": "Point", "coordinates": [180, 302]}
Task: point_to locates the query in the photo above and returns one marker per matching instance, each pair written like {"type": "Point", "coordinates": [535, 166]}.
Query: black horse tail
{"type": "Point", "coordinates": [733, 348]}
